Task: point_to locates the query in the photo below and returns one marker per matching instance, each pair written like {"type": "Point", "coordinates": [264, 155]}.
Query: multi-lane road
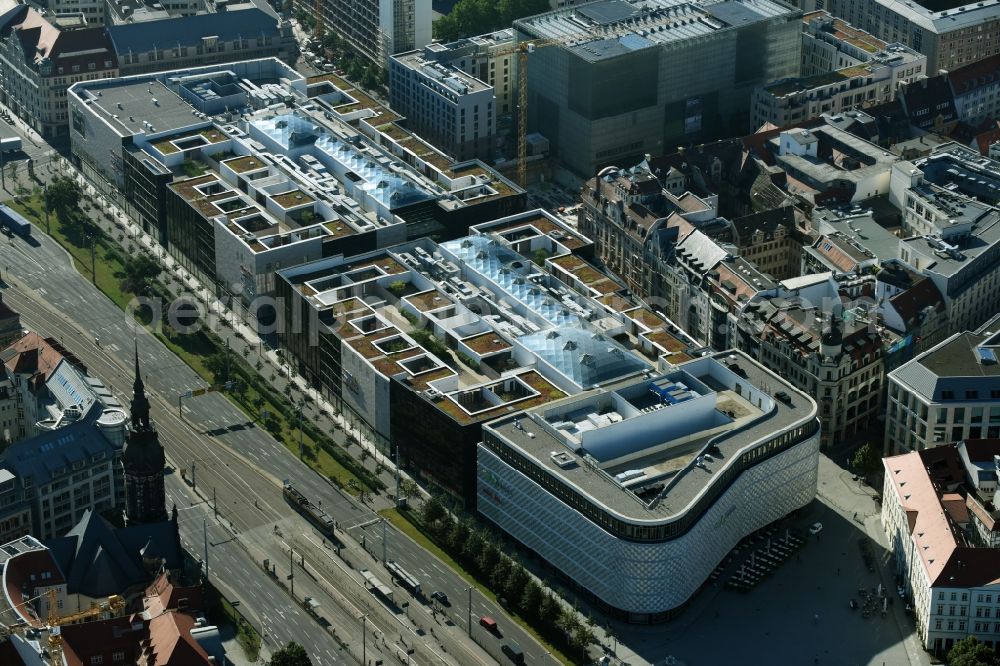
{"type": "Point", "coordinates": [241, 465]}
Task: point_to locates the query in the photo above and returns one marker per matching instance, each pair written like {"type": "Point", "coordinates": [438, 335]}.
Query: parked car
{"type": "Point", "coordinates": [815, 528]}
{"type": "Point", "coordinates": [441, 598]}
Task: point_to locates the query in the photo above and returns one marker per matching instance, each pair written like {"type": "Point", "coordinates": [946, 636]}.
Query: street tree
{"type": "Point", "coordinates": [137, 275]}
{"type": "Point", "coordinates": [514, 586]}
{"type": "Point", "coordinates": [500, 573]}
{"type": "Point", "coordinates": [970, 652]}
{"type": "Point", "coordinates": [473, 546]}
{"type": "Point", "coordinates": [475, 17]}
{"type": "Point", "coordinates": [581, 637]}
{"type": "Point", "coordinates": [371, 79]}
{"type": "Point", "coordinates": [531, 598]}
{"type": "Point", "coordinates": [867, 460]}
{"type": "Point", "coordinates": [568, 622]}
{"type": "Point", "coordinates": [62, 196]}
{"type": "Point", "coordinates": [489, 557]}
{"type": "Point", "coordinates": [355, 69]}
{"type": "Point", "coordinates": [409, 488]}
{"type": "Point", "coordinates": [218, 365]}
{"type": "Point", "coordinates": [433, 511]}
{"type": "Point", "coordinates": [456, 535]}
{"type": "Point", "coordinates": [292, 654]}
{"type": "Point", "coordinates": [549, 609]}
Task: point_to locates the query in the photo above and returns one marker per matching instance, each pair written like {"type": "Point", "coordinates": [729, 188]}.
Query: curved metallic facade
{"type": "Point", "coordinates": [647, 581]}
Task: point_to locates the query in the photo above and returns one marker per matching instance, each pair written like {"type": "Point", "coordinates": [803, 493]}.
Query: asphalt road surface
{"type": "Point", "coordinates": [241, 465]}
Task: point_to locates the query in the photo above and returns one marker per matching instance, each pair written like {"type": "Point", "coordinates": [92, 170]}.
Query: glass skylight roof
{"type": "Point", "coordinates": [568, 343]}
{"type": "Point", "coordinates": [291, 131]}
{"type": "Point", "coordinates": [587, 358]}
{"type": "Point", "coordinates": [509, 270]}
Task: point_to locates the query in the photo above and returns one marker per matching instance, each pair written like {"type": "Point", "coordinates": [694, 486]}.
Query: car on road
{"type": "Point", "coordinates": [513, 652]}
{"type": "Point", "coordinates": [815, 528]}
{"type": "Point", "coordinates": [441, 598]}
{"type": "Point", "coordinates": [488, 623]}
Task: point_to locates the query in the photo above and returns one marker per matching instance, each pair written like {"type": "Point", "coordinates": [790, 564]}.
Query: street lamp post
{"type": "Point", "coordinates": [45, 206]}
{"type": "Point", "coordinates": [204, 525]}
{"type": "Point", "coordinates": [469, 590]}
{"type": "Point", "coordinates": [364, 642]}
{"type": "Point", "coordinates": [263, 639]}
{"type": "Point", "coordinates": [301, 443]}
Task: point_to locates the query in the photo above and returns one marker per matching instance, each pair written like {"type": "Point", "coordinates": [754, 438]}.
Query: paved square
{"type": "Point", "coordinates": [776, 622]}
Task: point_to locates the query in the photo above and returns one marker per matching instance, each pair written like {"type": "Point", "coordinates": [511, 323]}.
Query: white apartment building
{"type": "Point", "coordinates": [949, 581]}
{"type": "Point", "coordinates": [582, 481]}
{"type": "Point", "coordinates": [47, 482]}
{"type": "Point", "coordinates": [948, 393]}
{"type": "Point", "coordinates": [837, 360]}
{"type": "Point", "coordinates": [490, 58]}
{"type": "Point", "coordinates": [451, 109]}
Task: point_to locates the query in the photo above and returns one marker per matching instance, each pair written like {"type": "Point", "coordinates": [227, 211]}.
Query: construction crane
{"type": "Point", "coordinates": [522, 50]}
{"type": "Point", "coordinates": [113, 604]}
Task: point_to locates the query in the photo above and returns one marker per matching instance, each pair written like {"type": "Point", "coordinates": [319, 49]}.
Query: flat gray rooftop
{"type": "Point", "coordinates": [126, 106]}
{"type": "Point", "coordinates": [865, 231]}
{"type": "Point", "coordinates": [957, 358]}
{"type": "Point", "coordinates": [985, 235]}
{"type": "Point", "coordinates": [609, 28]}
{"type": "Point", "coordinates": [690, 481]}
{"type": "Point", "coordinates": [442, 74]}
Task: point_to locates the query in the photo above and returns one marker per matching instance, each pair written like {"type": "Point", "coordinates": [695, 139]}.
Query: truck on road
{"type": "Point", "coordinates": [10, 141]}
{"type": "Point", "coordinates": [12, 222]}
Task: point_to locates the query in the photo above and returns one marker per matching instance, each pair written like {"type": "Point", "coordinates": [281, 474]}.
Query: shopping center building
{"type": "Point", "coordinates": [637, 490]}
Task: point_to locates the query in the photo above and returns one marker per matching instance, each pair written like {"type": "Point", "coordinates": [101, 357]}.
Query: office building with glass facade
{"type": "Point", "coordinates": [610, 81]}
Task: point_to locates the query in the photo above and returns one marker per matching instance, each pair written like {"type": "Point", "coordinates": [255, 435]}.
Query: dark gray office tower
{"type": "Point", "coordinates": [612, 80]}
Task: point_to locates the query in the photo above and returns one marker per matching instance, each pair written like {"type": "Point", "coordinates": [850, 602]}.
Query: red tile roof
{"type": "Point", "coordinates": [171, 643]}
{"type": "Point", "coordinates": [164, 640]}
{"type": "Point", "coordinates": [985, 139]}
{"type": "Point", "coordinates": [33, 354]}
{"type": "Point", "coordinates": [910, 303]}
{"type": "Point", "coordinates": [104, 638]}
{"type": "Point", "coordinates": [982, 450]}
{"type": "Point", "coordinates": [163, 594]}
{"type": "Point", "coordinates": [23, 573]}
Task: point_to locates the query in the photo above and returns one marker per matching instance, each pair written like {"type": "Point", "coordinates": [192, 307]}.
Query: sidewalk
{"type": "Point", "coordinates": [325, 415]}
{"type": "Point", "coordinates": [856, 502]}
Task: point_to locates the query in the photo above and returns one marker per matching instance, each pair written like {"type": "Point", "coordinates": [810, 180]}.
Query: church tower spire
{"type": "Point", "coordinates": [140, 404]}
{"type": "Point", "coordinates": [143, 461]}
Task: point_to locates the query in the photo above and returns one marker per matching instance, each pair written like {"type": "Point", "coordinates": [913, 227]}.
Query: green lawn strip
{"type": "Point", "coordinates": [194, 348]}
{"type": "Point", "coordinates": [414, 531]}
